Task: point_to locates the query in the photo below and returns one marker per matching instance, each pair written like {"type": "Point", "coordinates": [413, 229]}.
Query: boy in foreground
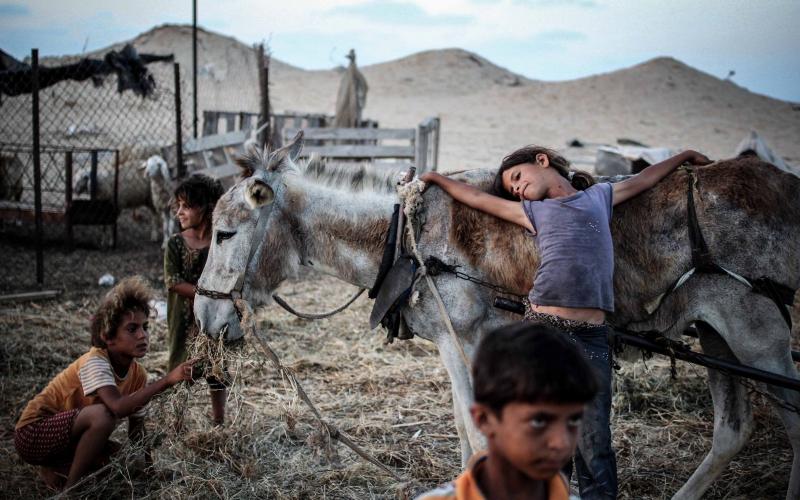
{"type": "Point", "coordinates": [531, 384]}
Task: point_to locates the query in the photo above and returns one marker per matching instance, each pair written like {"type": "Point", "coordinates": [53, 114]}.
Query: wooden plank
{"type": "Point", "coordinates": [210, 120]}
{"type": "Point", "coordinates": [360, 151]}
{"type": "Point", "coordinates": [352, 133]}
{"type": "Point", "coordinates": [215, 141]}
{"type": "Point", "coordinates": [24, 212]}
{"type": "Point", "coordinates": [230, 121]}
{"type": "Point", "coordinates": [393, 165]}
{"type": "Point", "coordinates": [220, 171]}
{"type": "Point", "coordinates": [28, 296]}
{"type": "Point", "coordinates": [277, 131]}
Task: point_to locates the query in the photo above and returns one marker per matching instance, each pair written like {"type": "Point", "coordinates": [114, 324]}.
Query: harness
{"type": "Point", "coordinates": [703, 263]}
{"type": "Point", "coordinates": [242, 283]}
{"type": "Point", "coordinates": [391, 288]}
{"type": "Point", "coordinates": [395, 281]}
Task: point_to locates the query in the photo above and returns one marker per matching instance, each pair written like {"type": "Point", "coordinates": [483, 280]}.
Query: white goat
{"type": "Point", "coordinates": [161, 189]}
{"type": "Point", "coordinates": [133, 188]}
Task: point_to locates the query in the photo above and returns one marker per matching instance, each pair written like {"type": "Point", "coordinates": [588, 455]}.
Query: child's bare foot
{"type": "Point", "coordinates": [52, 478]}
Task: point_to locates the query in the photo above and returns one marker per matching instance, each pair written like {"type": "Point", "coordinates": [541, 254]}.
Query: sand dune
{"type": "Point", "coordinates": [487, 111]}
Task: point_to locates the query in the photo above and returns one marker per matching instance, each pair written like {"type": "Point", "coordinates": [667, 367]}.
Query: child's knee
{"type": "Point", "coordinates": [100, 418]}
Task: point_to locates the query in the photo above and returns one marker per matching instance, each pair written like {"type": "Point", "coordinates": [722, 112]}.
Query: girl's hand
{"type": "Point", "coordinates": [430, 177]}
{"type": "Point", "coordinates": [181, 373]}
{"type": "Point", "coordinates": [695, 158]}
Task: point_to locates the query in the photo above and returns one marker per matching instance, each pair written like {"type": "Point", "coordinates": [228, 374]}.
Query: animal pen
{"type": "Point", "coordinates": [72, 136]}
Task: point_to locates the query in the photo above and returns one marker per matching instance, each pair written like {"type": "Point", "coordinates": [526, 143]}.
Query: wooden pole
{"type": "Point", "coordinates": [181, 168]}
{"type": "Point", "coordinates": [194, 68]}
{"type": "Point", "coordinates": [263, 80]}
{"type": "Point", "coordinates": [68, 197]}
{"type": "Point", "coordinates": [116, 198]}
{"type": "Point", "coordinates": [37, 167]}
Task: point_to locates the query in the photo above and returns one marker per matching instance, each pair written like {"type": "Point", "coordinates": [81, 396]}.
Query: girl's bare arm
{"type": "Point", "coordinates": [123, 406]}
{"type": "Point", "coordinates": [650, 176]}
{"type": "Point", "coordinates": [183, 289]}
{"type": "Point", "coordinates": [508, 210]}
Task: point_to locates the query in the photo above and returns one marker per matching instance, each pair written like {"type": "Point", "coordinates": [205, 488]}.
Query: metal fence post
{"type": "Point", "coordinates": [37, 167]}
{"type": "Point", "coordinates": [68, 197]}
{"type": "Point", "coordinates": [116, 199]}
{"type": "Point", "coordinates": [93, 175]}
{"type": "Point", "coordinates": [181, 171]}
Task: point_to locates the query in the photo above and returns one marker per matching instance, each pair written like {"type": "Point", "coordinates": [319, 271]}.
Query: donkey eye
{"type": "Point", "coordinates": [224, 235]}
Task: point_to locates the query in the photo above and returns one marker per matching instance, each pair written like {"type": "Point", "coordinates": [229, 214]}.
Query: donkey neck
{"type": "Point", "coordinates": [340, 232]}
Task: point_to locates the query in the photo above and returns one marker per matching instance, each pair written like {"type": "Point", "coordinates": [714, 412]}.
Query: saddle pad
{"type": "Point", "coordinates": [397, 281]}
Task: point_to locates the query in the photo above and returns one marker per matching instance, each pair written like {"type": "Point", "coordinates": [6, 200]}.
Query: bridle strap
{"type": "Point", "coordinates": [241, 281]}
{"type": "Point", "coordinates": [283, 304]}
{"type": "Point", "coordinates": [213, 294]}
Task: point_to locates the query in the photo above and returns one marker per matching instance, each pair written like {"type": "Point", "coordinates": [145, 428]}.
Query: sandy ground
{"type": "Point", "coordinates": [392, 399]}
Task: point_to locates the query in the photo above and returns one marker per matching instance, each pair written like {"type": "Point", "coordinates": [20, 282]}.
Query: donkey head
{"type": "Point", "coordinates": [243, 220]}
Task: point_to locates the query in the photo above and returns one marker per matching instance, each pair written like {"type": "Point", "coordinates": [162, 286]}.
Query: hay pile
{"type": "Point", "coordinates": [394, 400]}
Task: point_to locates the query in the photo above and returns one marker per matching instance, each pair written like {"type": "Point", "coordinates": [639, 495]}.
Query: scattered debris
{"type": "Point", "coordinates": [106, 280]}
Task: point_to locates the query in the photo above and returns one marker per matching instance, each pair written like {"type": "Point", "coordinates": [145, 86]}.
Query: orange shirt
{"type": "Point", "coordinates": [76, 386]}
{"type": "Point", "coordinates": [465, 487]}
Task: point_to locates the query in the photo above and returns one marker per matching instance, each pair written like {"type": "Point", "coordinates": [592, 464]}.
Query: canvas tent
{"type": "Point", "coordinates": [756, 145]}
{"type": "Point", "coordinates": [352, 96]}
{"type": "Point", "coordinates": [624, 160]}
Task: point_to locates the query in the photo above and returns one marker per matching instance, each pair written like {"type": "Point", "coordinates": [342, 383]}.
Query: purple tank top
{"type": "Point", "coordinates": [573, 235]}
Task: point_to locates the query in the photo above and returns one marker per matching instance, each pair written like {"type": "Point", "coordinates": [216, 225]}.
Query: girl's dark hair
{"type": "Point", "coordinates": [530, 363]}
{"type": "Point", "coordinates": [199, 191]}
{"type": "Point", "coordinates": [579, 179]}
{"type": "Point", "coordinates": [129, 295]}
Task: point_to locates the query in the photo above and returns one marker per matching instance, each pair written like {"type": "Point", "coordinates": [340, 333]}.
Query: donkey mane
{"type": "Point", "coordinates": [353, 177]}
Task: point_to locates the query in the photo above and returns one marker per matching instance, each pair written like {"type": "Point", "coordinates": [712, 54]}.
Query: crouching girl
{"type": "Point", "coordinates": [66, 427]}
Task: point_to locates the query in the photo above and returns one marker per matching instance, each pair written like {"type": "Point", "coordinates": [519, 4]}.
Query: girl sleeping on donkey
{"type": "Point", "coordinates": [569, 216]}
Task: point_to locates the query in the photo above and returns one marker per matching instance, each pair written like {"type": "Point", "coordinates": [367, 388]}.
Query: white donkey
{"type": "Point", "coordinates": [285, 215]}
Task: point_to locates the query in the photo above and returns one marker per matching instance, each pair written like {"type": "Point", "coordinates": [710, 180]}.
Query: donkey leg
{"type": "Point", "coordinates": [771, 351]}
{"type": "Point", "coordinates": [732, 420]}
{"type": "Point", "coordinates": [471, 439]}
{"type": "Point", "coordinates": [156, 231]}
{"type": "Point", "coordinates": [461, 429]}
{"type": "Point", "coordinates": [791, 420]}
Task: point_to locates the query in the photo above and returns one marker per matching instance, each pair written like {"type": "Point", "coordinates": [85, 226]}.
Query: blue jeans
{"type": "Point", "coordinates": [595, 462]}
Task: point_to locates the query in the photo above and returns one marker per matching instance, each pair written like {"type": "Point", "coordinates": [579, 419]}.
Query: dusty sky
{"type": "Point", "coordinates": [541, 39]}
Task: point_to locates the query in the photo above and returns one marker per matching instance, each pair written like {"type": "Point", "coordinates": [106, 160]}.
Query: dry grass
{"type": "Point", "coordinates": [394, 401]}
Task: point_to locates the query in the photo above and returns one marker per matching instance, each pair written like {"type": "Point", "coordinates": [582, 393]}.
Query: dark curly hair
{"type": "Point", "coordinates": [579, 179]}
{"type": "Point", "coordinates": [199, 191]}
{"type": "Point", "coordinates": [132, 294]}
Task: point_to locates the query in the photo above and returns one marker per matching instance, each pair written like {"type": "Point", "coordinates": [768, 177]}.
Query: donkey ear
{"type": "Point", "coordinates": [258, 193]}
{"type": "Point", "coordinates": [295, 146]}
{"type": "Point", "coordinates": [290, 151]}
{"type": "Point", "coordinates": [246, 166]}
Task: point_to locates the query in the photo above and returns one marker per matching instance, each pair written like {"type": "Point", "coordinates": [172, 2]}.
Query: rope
{"type": "Point", "coordinates": [328, 314]}
{"type": "Point", "coordinates": [248, 326]}
{"type": "Point", "coordinates": [411, 195]}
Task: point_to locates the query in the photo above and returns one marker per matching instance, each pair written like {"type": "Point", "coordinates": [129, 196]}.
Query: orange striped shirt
{"type": "Point", "coordinates": [76, 386]}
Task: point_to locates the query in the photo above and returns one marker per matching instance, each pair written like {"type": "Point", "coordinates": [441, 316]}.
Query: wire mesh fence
{"type": "Point", "coordinates": [98, 122]}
